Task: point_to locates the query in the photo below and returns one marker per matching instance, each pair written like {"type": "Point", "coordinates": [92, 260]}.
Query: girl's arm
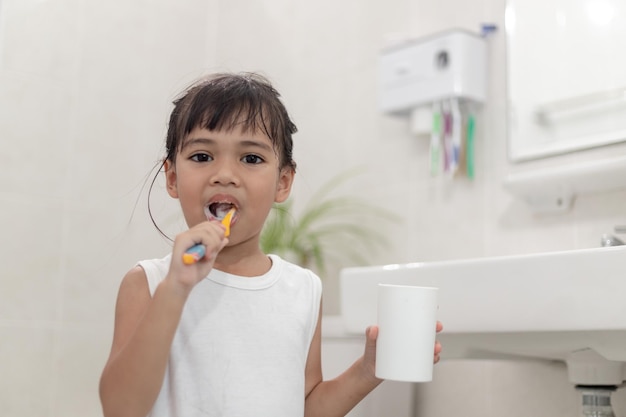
{"type": "Point", "coordinates": [336, 397]}
{"type": "Point", "coordinates": [144, 330]}
{"type": "Point", "coordinates": [145, 326]}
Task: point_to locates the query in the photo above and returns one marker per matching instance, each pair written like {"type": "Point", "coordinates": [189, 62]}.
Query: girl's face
{"type": "Point", "coordinates": [217, 169]}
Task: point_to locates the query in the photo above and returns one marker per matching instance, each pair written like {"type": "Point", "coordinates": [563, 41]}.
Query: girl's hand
{"type": "Point", "coordinates": [211, 235]}
{"type": "Point", "coordinates": [369, 357]}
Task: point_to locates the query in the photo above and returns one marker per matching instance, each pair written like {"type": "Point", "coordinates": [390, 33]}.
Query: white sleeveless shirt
{"type": "Point", "coordinates": [242, 344]}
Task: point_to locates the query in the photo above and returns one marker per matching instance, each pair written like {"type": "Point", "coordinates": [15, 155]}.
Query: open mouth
{"type": "Point", "coordinates": [217, 211]}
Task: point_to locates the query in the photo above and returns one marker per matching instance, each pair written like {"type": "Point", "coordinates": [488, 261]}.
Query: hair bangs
{"type": "Point", "coordinates": [225, 102]}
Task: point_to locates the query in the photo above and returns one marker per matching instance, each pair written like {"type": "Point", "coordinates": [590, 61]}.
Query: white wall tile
{"type": "Point", "coordinates": [34, 122]}
{"type": "Point", "coordinates": [531, 388]}
{"type": "Point", "coordinates": [103, 244]}
{"type": "Point", "coordinates": [618, 400]}
{"type": "Point", "coordinates": [597, 215]}
{"type": "Point", "coordinates": [458, 231]}
{"type": "Point", "coordinates": [42, 37]}
{"type": "Point", "coordinates": [497, 388]}
{"type": "Point", "coordinates": [254, 36]}
{"type": "Point", "coordinates": [27, 383]}
{"type": "Point", "coordinates": [79, 362]}
{"type": "Point", "coordinates": [458, 388]}
{"type": "Point", "coordinates": [31, 258]}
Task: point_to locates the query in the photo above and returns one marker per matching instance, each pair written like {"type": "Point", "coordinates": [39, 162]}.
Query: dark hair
{"type": "Point", "coordinates": [223, 101]}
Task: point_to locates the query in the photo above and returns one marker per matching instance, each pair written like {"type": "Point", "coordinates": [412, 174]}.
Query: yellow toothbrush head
{"type": "Point", "coordinates": [226, 221]}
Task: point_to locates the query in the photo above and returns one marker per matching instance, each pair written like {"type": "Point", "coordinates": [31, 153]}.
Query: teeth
{"type": "Point", "coordinates": [218, 210]}
{"type": "Point", "coordinates": [222, 210]}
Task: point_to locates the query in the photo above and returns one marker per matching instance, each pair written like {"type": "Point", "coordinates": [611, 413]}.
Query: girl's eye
{"type": "Point", "coordinates": [252, 159]}
{"type": "Point", "coordinates": [201, 157]}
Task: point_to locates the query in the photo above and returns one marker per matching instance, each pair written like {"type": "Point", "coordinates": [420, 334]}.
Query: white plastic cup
{"type": "Point", "coordinates": [407, 322]}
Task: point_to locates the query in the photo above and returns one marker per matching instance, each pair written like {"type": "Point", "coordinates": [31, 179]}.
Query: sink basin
{"type": "Point", "coordinates": [568, 305]}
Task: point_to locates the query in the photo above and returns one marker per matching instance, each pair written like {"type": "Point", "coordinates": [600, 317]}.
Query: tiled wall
{"type": "Point", "coordinates": [85, 89]}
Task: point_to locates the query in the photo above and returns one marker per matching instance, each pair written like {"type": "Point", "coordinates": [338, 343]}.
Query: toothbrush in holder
{"type": "Point", "coordinates": [197, 252]}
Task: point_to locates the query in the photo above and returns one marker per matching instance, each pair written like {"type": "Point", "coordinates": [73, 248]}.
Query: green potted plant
{"type": "Point", "coordinates": [330, 230]}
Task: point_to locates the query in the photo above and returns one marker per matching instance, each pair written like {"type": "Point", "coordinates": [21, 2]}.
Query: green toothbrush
{"type": "Point", "coordinates": [470, 147]}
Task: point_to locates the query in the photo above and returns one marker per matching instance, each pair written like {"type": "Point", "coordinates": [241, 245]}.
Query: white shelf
{"type": "Point", "coordinates": [554, 189]}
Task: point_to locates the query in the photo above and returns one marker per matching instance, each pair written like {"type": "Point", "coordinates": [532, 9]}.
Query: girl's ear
{"type": "Point", "coordinates": [170, 178]}
{"type": "Point", "coordinates": [285, 181]}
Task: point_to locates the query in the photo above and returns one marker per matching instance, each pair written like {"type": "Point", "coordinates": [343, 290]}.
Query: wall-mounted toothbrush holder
{"type": "Point", "coordinates": [451, 64]}
{"type": "Point", "coordinates": [436, 81]}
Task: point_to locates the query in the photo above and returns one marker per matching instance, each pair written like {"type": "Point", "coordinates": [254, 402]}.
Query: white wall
{"type": "Point", "coordinates": [84, 98]}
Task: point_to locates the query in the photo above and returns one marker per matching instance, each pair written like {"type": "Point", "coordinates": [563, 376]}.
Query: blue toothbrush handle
{"type": "Point", "coordinates": [194, 254]}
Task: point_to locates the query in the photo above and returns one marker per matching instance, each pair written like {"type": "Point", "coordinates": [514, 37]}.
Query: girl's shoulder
{"type": "Point", "coordinates": [294, 272]}
{"type": "Point", "coordinates": [281, 265]}
{"type": "Point", "coordinates": [155, 270]}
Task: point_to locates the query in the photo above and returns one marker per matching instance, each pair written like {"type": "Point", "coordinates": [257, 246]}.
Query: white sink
{"type": "Point", "coordinates": [568, 306]}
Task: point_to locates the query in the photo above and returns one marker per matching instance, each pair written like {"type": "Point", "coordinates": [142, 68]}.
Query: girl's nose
{"type": "Point", "coordinates": [225, 173]}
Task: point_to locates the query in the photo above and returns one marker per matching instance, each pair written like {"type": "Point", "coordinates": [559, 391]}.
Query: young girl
{"type": "Point", "coordinates": [238, 332]}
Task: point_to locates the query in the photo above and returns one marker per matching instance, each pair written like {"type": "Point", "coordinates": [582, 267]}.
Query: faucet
{"type": "Point", "coordinates": [610, 240]}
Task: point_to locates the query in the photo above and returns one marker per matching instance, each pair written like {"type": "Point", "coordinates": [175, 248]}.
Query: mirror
{"type": "Point", "coordinates": [566, 76]}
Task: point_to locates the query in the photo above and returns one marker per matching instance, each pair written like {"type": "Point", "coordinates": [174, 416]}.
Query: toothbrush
{"type": "Point", "coordinates": [470, 146]}
{"type": "Point", "coordinates": [435, 141]}
{"type": "Point", "coordinates": [455, 140]}
{"type": "Point", "coordinates": [197, 252]}
{"type": "Point", "coordinates": [447, 137]}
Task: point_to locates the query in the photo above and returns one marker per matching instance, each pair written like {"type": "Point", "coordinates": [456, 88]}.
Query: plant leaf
{"type": "Point", "coordinates": [329, 229]}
